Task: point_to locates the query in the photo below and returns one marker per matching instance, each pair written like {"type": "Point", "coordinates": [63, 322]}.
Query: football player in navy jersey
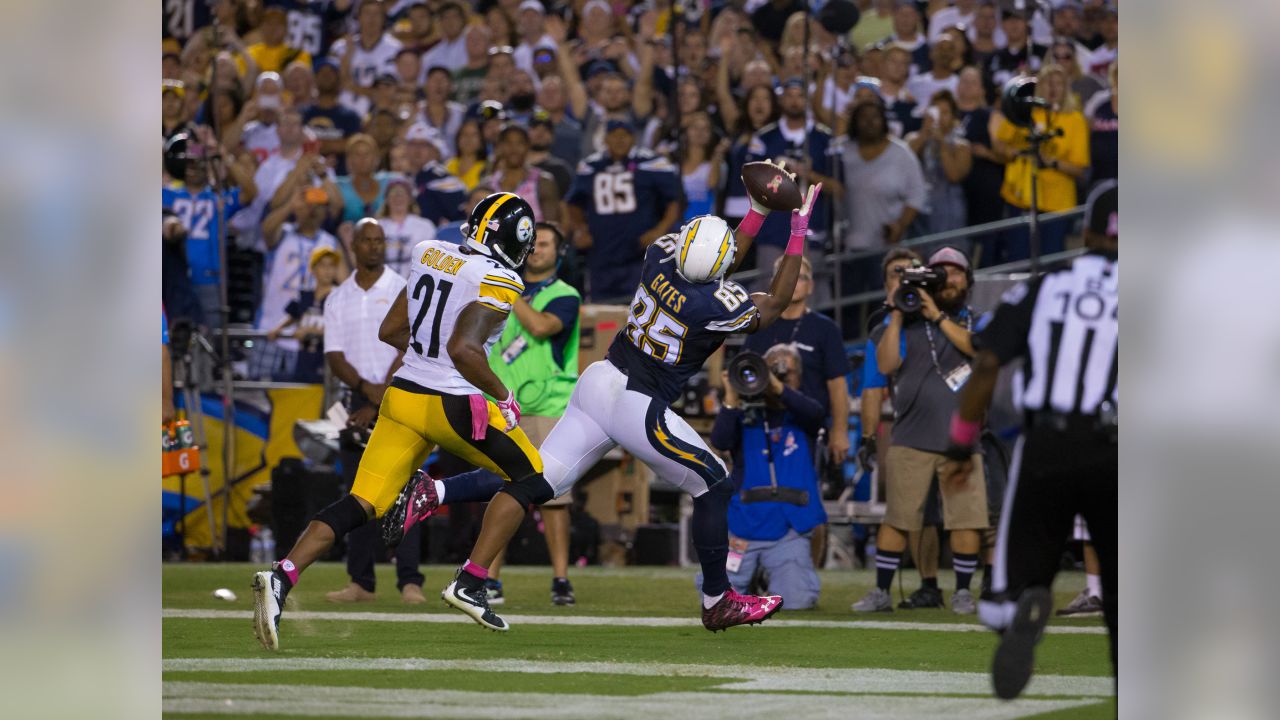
{"type": "Point", "coordinates": [682, 311]}
{"type": "Point", "coordinates": [625, 197]}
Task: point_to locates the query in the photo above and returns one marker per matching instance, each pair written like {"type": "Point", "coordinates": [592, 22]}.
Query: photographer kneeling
{"type": "Point", "coordinates": [765, 424]}
{"type": "Point", "coordinates": [925, 348]}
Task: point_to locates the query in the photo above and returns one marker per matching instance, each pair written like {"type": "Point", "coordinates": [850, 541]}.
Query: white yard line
{"type": "Point", "coordinates": [743, 677]}
{"type": "Point", "coordinates": [630, 621]}
{"type": "Point", "coordinates": [237, 699]}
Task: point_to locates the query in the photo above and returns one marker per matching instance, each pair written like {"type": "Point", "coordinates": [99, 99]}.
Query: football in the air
{"type": "Point", "coordinates": [771, 186]}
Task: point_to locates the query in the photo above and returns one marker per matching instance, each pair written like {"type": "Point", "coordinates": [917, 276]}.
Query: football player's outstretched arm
{"type": "Point", "coordinates": [772, 304]}
{"type": "Point", "coordinates": [475, 325]}
{"type": "Point", "coordinates": [394, 330]}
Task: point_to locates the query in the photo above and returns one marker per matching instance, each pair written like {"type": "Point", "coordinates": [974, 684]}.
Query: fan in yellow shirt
{"type": "Point", "coordinates": [272, 54]}
{"type": "Point", "coordinates": [1065, 157]}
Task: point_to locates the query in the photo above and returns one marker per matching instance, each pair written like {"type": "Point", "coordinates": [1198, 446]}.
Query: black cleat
{"type": "Point", "coordinates": [1015, 655]}
{"type": "Point", "coordinates": [561, 592]}
{"type": "Point", "coordinates": [925, 597]}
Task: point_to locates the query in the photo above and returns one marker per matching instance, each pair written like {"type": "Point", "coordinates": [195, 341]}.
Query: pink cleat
{"type": "Point", "coordinates": [736, 609]}
{"type": "Point", "coordinates": [416, 502]}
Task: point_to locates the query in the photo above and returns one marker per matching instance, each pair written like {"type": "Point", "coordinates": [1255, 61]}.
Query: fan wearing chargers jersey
{"type": "Point", "coordinates": [445, 321]}
{"type": "Point", "coordinates": [681, 313]}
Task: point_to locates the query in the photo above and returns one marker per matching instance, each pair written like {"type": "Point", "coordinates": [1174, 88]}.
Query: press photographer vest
{"type": "Point", "coordinates": [527, 365]}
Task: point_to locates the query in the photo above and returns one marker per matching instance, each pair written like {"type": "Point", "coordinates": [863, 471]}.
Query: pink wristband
{"type": "Point", "coordinates": [964, 433]}
{"type": "Point", "coordinates": [751, 223]}
{"type": "Point", "coordinates": [795, 245]}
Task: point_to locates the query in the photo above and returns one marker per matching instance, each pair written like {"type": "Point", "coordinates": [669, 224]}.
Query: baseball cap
{"type": "Point", "coordinates": [422, 132]}
{"type": "Point", "coordinates": [490, 110]}
{"type": "Point", "coordinates": [540, 117]}
{"type": "Point", "coordinates": [619, 124]}
{"type": "Point", "coordinates": [1102, 209]}
{"type": "Point", "coordinates": [173, 86]}
{"type": "Point", "coordinates": [792, 82]}
{"type": "Point", "coordinates": [950, 256]}
{"type": "Point", "coordinates": [321, 253]}
{"type": "Point", "coordinates": [315, 196]}
{"type": "Point", "coordinates": [510, 126]}
{"type": "Point", "coordinates": [533, 5]}
{"type": "Point", "coordinates": [386, 79]}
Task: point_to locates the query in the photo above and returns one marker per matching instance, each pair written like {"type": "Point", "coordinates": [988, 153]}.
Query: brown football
{"type": "Point", "coordinates": [771, 186]}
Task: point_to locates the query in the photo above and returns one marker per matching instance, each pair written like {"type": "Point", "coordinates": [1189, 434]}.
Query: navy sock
{"type": "Point", "coordinates": [711, 536]}
{"type": "Point", "coordinates": [930, 583]}
{"type": "Point", "coordinates": [965, 564]}
{"type": "Point", "coordinates": [887, 563]}
{"type": "Point", "coordinates": [474, 486]}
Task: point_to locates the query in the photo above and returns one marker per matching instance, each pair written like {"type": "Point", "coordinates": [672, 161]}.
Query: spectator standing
{"type": "Point", "coordinates": [272, 53]}
{"type": "Point", "coordinates": [173, 108]}
{"type": "Point", "coordinates": [439, 111]}
{"type": "Point", "coordinates": [893, 90]}
{"type": "Point", "coordinates": [1015, 58]}
{"type": "Point", "coordinates": [945, 159]}
{"type": "Point", "coordinates": [985, 36]}
{"type": "Point", "coordinates": [1064, 160]}
{"type": "Point", "coordinates": [786, 140]}
{"type": "Point", "coordinates": [567, 140]}
{"type": "Point", "coordinates": [306, 313]}
{"type": "Point", "coordinates": [759, 109]}
{"type": "Point", "coordinates": [365, 56]}
{"type": "Point", "coordinates": [331, 121]}
{"type": "Point", "coordinates": [512, 172]}
{"type": "Point", "coordinates": [884, 189]}
{"type": "Point", "coordinates": [365, 364]}
{"type": "Point", "coordinates": [701, 160]}
{"type": "Point", "coordinates": [928, 358]}
{"type": "Point", "coordinates": [195, 203]}
{"type": "Point", "coordinates": [364, 187]}
{"type": "Point", "coordinates": [907, 34]}
{"type": "Point", "coordinates": [1103, 115]}
{"type": "Point", "coordinates": [541, 135]}
{"type": "Point", "coordinates": [1064, 52]}
{"type": "Point", "coordinates": [255, 126]}
{"type": "Point", "coordinates": [623, 199]}
{"type": "Point", "coordinates": [469, 76]}
{"type": "Point", "coordinates": [942, 54]}
{"type": "Point", "coordinates": [823, 362]}
{"type": "Point", "coordinates": [288, 273]}
{"type": "Point", "coordinates": [1103, 55]}
{"type": "Point", "coordinates": [772, 444]}
{"type": "Point", "coordinates": [299, 84]}
{"type": "Point", "coordinates": [440, 195]}
{"type": "Point", "coordinates": [471, 161]}
{"type": "Point", "coordinates": [537, 355]}
{"type": "Point", "coordinates": [983, 203]}
{"type": "Point", "coordinates": [874, 24]}
{"type": "Point", "coordinates": [533, 34]}
{"type": "Point", "coordinates": [310, 24]}
{"type": "Point", "coordinates": [451, 51]}
{"type": "Point", "coordinates": [403, 226]}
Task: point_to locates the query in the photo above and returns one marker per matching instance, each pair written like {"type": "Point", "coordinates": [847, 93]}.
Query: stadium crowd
{"type": "Point", "coordinates": [616, 120]}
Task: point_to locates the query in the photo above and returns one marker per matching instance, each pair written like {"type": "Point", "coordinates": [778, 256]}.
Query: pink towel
{"type": "Point", "coordinates": [479, 416]}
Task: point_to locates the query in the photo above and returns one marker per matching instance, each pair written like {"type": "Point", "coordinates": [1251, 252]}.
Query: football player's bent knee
{"type": "Point", "coordinates": [529, 491]}
{"type": "Point", "coordinates": [343, 516]}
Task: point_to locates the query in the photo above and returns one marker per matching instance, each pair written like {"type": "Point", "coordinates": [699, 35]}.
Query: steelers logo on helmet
{"type": "Point", "coordinates": [705, 249]}
{"type": "Point", "coordinates": [501, 226]}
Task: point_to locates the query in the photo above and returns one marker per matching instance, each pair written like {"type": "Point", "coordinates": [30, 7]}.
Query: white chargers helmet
{"type": "Point", "coordinates": [705, 249]}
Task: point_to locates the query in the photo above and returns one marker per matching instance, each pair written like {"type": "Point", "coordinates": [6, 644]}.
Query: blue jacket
{"type": "Point", "coordinates": [792, 461]}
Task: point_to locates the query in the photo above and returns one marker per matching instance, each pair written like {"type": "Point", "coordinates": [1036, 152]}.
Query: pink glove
{"type": "Point", "coordinates": [510, 411]}
{"type": "Point", "coordinates": [800, 221]}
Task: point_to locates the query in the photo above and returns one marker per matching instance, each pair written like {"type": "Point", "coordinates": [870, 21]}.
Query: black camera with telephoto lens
{"type": "Point", "coordinates": [749, 376]}
{"type": "Point", "coordinates": [907, 297]}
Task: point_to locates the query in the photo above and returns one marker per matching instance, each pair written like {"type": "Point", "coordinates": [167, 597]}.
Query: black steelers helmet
{"type": "Point", "coordinates": [501, 226]}
{"type": "Point", "coordinates": [175, 156]}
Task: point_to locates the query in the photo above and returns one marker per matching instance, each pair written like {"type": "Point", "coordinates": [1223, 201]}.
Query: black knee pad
{"type": "Point", "coordinates": [529, 491]}
{"type": "Point", "coordinates": [720, 493]}
{"type": "Point", "coordinates": [343, 516]}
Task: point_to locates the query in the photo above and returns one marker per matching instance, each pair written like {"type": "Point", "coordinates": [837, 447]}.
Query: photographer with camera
{"type": "Point", "coordinates": [925, 348]}
{"type": "Point", "coordinates": [765, 424]}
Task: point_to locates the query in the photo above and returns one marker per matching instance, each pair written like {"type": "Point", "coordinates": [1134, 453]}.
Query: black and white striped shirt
{"type": "Point", "coordinates": [1066, 324]}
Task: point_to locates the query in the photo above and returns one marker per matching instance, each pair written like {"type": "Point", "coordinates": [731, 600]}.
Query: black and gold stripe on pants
{"type": "Point", "coordinates": [685, 453]}
{"type": "Point", "coordinates": [413, 420]}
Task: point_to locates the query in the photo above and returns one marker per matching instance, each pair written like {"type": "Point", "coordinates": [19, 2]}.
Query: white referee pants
{"type": "Point", "coordinates": [603, 414]}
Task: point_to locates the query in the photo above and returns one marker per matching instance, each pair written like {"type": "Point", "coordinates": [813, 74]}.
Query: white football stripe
{"type": "Point", "coordinates": [745, 677]}
{"type": "Point", "coordinates": [634, 621]}
{"type": "Point", "coordinates": [239, 699]}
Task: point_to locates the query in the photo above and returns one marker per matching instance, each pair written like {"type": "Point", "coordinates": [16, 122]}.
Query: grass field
{"type": "Point", "coordinates": [632, 647]}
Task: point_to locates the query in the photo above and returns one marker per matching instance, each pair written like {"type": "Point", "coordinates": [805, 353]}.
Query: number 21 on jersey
{"type": "Point", "coordinates": [653, 330]}
{"type": "Point", "coordinates": [422, 292]}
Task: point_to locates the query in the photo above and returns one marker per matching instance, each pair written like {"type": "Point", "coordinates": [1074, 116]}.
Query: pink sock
{"type": "Point", "coordinates": [474, 569]}
{"type": "Point", "coordinates": [290, 570]}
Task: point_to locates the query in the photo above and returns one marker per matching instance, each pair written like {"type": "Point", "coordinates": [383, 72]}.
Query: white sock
{"type": "Point", "coordinates": [1094, 583]}
{"type": "Point", "coordinates": [708, 601]}
{"type": "Point", "coordinates": [439, 491]}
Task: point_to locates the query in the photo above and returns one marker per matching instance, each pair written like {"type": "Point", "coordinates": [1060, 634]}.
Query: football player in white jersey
{"type": "Point", "coordinates": [447, 318]}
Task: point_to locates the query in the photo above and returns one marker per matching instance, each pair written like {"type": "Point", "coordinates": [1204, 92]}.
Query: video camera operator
{"type": "Point", "coordinates": [765, 424]}
{"type": "Point", "coordinates": [926, 349]}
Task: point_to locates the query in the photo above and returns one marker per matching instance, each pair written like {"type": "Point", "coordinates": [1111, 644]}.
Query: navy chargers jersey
{"type": "Point", "coordinates": [675, 325]}
{"type": "Point", "coordinates": [622, 201]}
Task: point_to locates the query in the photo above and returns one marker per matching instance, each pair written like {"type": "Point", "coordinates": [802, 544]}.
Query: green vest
{"type": "Point", "coordinates": [526, 365]}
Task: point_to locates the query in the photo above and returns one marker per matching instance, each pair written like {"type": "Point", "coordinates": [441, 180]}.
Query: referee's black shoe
{"type": "Point", "coordinates": [1015, 655]}
{"type": "Point", "coordinates": [925, 597]}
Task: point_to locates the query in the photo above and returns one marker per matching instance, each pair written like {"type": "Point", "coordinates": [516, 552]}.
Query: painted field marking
{"type": "Point", "coordinates": [241, 699]}
{"type": "Point", "coordinates": [633, 621]}
{"type": "Point", "coordinates": [746, 677]}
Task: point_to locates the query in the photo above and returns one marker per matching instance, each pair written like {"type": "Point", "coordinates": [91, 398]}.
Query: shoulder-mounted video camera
{"type": "Point", "coordinates": [914, 279]}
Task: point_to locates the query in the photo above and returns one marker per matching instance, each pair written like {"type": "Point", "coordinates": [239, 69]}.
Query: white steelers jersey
{"type": "Point", "coordinates": [442, 281]}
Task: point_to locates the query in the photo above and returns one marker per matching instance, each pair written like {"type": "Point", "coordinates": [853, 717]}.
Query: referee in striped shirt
{"type": "Point", "coordinates": [1065, 325]}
